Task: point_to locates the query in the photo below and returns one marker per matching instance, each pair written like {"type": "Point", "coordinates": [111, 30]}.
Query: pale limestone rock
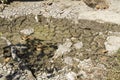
{"type": "Point", "coordinates": [28, 31]}
{"type": "Point", "coordinates": [112, 44]}
{"type": "Point", "coordinates": [78, 45]}
{"type": "Point", "coordinates": [63, 49]}
{"type": "Point", "coordinates": [71, 76]}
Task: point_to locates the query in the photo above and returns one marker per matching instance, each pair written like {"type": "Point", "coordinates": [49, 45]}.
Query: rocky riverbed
{"type": "Point", "coordinates": [38, 47]}
{"type": "Point", "coordinates": [60, 49]}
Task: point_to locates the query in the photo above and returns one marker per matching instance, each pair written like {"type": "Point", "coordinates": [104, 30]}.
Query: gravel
{"type": "Point", "coordinates": [83, 50]}
{"type": "Point", "coordinates": [64, 9]}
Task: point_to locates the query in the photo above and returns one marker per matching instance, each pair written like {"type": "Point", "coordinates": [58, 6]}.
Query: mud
{"type": "Point", "coordinates": [50, 32]}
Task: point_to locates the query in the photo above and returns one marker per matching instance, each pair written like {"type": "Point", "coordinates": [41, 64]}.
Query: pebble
{"type": "Point", "coordinates": [68, 60]}
{"type": "Point", "coordinates": [63, 48]}
{"type": "Point", "coordinates": [78, 45]}
{"type": "Point", "coordinates": [71, 76]}
{"type": "Point", "coordinates": [28, 31]}
{"type": "Point", "coordinates": [112, 44]}
{"type": "Point", "coordinates": [4, 68]}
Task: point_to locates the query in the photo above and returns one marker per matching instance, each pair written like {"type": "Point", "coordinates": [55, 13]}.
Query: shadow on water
{"type": "Point", "coordinates": [36, 54]}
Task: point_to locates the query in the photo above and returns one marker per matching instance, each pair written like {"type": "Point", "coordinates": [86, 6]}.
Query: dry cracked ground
{"type": "Point", "coordinates": [47, 41]}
